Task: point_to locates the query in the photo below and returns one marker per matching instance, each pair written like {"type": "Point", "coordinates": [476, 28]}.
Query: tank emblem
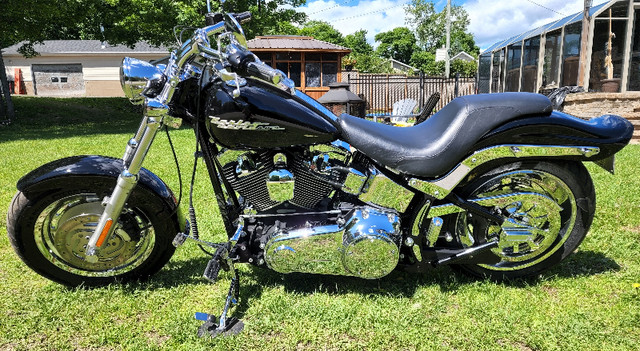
{"type": "Point", "coordinates": [242, 125]}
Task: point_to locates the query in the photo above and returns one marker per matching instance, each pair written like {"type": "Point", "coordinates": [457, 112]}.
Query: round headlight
{"type": "Point", "coordinates": [140, 79]}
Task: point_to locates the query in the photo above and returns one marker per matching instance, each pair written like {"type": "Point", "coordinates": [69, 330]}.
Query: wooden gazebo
{"type": "Point", "coordinates": [312, 64]}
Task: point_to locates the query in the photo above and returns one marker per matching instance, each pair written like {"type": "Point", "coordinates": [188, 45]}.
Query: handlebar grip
{"type": "Point", "coordinates": [264, 72]}
{"type": "Point", "coordinates": [242, 17]}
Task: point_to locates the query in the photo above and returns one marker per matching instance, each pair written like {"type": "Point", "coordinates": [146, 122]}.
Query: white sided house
{"type": "Point", "coordinates": [74, 67]}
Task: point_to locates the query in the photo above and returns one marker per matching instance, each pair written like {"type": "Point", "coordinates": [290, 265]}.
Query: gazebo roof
{"type": "Point", "coordinates": [293, 43]}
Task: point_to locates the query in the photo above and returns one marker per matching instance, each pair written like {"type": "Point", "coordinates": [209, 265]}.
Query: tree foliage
{"type": "Point", "coordinates": [322, 30]}
{"type": "Point", "coordinates": [128, 21]}
{"type": "Point", "coordinates": [430, 27]}
{"type": "Point", "coordinates": [398, 44]}
{"type": "Point", "coordinates": [357, 42]}
{"type": "Point", "coordinates": [426, 62]}
{"type": "Point", "coordinates": [465, 68]}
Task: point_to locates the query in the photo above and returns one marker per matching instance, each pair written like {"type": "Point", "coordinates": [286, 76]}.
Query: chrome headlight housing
{"type": "Point", "coordinates": [140, 79]}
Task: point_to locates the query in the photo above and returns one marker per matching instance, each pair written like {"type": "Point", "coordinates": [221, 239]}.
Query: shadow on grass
{"type": "Point", "coordinates": [53, 118]}
{"type": "Point", "coordinates": [400, 284]}
{"type": "Point", "coordinates": [584, 263]}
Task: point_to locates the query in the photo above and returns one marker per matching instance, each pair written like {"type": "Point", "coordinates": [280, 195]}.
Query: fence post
{"type": "Point", "coordinates": [457, 85]}
{"type": "Point", "coordinates": [421, 91]}
{"type": "Point", "coordinates": [386, 102]}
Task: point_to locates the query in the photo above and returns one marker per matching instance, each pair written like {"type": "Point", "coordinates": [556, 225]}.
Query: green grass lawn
{"type": "Point", "coordinates": [589, 302]}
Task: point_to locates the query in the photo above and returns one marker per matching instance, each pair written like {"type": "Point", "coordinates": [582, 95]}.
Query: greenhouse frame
{"type": "Point", "coordinates": [548, 57]}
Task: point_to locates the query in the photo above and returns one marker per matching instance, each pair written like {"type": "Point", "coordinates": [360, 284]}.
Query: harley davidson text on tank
{"type": "Point", "coordinates": [494, 184]}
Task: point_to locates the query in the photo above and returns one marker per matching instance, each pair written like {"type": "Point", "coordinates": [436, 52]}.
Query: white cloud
{"type": "Point", "coordinates": [492, 21]}
{"type": "Point", "coordinates": [349, 16]}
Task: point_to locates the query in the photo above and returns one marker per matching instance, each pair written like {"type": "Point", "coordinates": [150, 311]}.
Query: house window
{"type": "Point", "coordinates": [320, 69]}
{"type": "Point", "coordinates": [59, 79]}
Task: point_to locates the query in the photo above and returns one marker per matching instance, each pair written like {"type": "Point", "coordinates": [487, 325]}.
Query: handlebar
{"type": "Point", "coordinates": [235, 55]}
{"type": "Point", "coordinates": [264, 72]}
{"type": "Point", "coordinates": [242, 17]}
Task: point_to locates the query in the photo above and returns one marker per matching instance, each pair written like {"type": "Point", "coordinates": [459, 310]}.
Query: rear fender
{"type": "Point", "coordinates": [59, 173]}
{"type": "Point", "coordinates": [557, 136]}
{"type": "Point", "coordinates": [609, 133]}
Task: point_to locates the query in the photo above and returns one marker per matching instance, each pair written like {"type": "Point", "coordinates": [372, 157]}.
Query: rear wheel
{"type": "Point", "coordinates": [50, 234]}
{"type": "Point", "coordinates": [546, 222]}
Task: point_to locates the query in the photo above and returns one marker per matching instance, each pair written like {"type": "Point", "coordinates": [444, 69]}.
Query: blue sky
{"type": "Point", "coordinates": [491, 20]}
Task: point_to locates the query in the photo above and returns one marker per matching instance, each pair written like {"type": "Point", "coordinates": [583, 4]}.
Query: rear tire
{"type": "Point", "coordinates": [560, 223]}
{"type": "Point", "coordinates": [49, 231]}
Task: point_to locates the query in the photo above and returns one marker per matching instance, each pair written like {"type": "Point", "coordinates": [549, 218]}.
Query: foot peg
{"type": "Point", "coordinates": [179, 239]}
{"type": "Point", "coordinates": [212, 270]}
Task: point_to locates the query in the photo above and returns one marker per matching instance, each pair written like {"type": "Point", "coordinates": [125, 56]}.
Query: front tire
{"type": "Point", "coordinates": [560, 221]}
{"type": "Point", "coordinates": [49, 232]}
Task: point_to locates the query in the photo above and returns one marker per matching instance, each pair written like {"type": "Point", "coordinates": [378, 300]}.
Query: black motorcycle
{"type": "Point", "coordinates": [494, 184]}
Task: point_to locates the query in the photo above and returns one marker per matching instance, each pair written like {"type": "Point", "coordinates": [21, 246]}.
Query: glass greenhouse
{"type": "Point", "coordinates": [549, 56]}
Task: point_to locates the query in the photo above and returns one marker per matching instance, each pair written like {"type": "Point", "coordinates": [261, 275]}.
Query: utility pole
{"type": "Point", "coordinates": [584, 43]}
{"type": "Point", "coordinates": [447, 67]}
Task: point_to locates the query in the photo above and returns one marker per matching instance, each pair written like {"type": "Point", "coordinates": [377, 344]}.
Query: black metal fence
{"type": "Point", "coordinates": [380, 91]}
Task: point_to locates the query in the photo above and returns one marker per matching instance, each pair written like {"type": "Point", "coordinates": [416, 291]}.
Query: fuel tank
{"type": "Point", "coordinates": [264, 117]}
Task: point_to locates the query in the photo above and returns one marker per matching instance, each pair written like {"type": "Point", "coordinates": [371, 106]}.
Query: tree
{"type": "Point", "coordinates": [398, 43]}
{"type": "Point", "coordinates": [372, 63]}
{"type": "Point", "coordinates": [426, 62]}
{"type": "Point", "coordinates": [465, 68]}
{"type": "Point", "coordinates": [125, 21]}
{"type": "Point", "coordinates": [430, 27]}
{"type": "Point", "coordinates": [22, 20]}
{"type": "Point", "coordinates": [322, 30]}
{"type": "Point", "coordinates": [357, 42]}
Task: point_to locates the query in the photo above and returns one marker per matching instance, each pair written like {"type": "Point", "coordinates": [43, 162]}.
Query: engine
{"type": "Point", "coordinates": [297, 224]}
{"type": "Point", "coordinates": [288, 179]}
{"type": "Point", "coordinates": [363, 243]}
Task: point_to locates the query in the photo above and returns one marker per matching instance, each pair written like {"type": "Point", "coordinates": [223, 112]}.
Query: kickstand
{"type": "Point", "coordinates": [226, 325]}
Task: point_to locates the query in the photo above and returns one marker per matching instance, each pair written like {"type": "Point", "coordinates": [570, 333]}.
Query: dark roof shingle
{"type": "Point", "coordinates": [85, 47]}
{"type": "Point", "coordinates": [290, 42]}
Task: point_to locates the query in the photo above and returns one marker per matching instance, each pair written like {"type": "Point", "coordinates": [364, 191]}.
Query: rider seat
{"type": "Point", "coordinates": [434, 147]}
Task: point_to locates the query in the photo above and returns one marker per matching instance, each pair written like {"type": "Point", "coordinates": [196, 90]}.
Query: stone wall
{"type": "Point", "coordinates": [587, 105]}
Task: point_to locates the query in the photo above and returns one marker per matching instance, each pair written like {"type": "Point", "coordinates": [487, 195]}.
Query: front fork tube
{"type": "Point", "coordinates": [135, 153]}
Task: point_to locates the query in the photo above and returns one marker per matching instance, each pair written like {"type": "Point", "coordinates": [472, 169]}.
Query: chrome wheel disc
{"type": "Point", "coordinates": [539, 221]}
{"type": "Point", "coordinates": [62, 231]}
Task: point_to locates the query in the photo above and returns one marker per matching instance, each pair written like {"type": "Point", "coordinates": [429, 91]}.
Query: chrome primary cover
{"type": "Point", "coordinates": [364, 243]}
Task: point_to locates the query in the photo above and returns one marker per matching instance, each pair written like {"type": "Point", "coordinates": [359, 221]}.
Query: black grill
{"type": "Point", "coordinates": [252, 187]}
{"type": "Point", "coordinates": [308, 189]}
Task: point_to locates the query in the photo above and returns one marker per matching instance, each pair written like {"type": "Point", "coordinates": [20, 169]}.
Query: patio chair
{"type": "Point", "coordinates": [401, 112]}
{"type": "Point", "coordinates": [431, 103]}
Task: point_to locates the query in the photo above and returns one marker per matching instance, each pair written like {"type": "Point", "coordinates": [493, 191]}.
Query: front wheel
{"type": "Point", "coordinates": [556, 208]}
{"type": "Point", "coordinates": [50, 232]}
